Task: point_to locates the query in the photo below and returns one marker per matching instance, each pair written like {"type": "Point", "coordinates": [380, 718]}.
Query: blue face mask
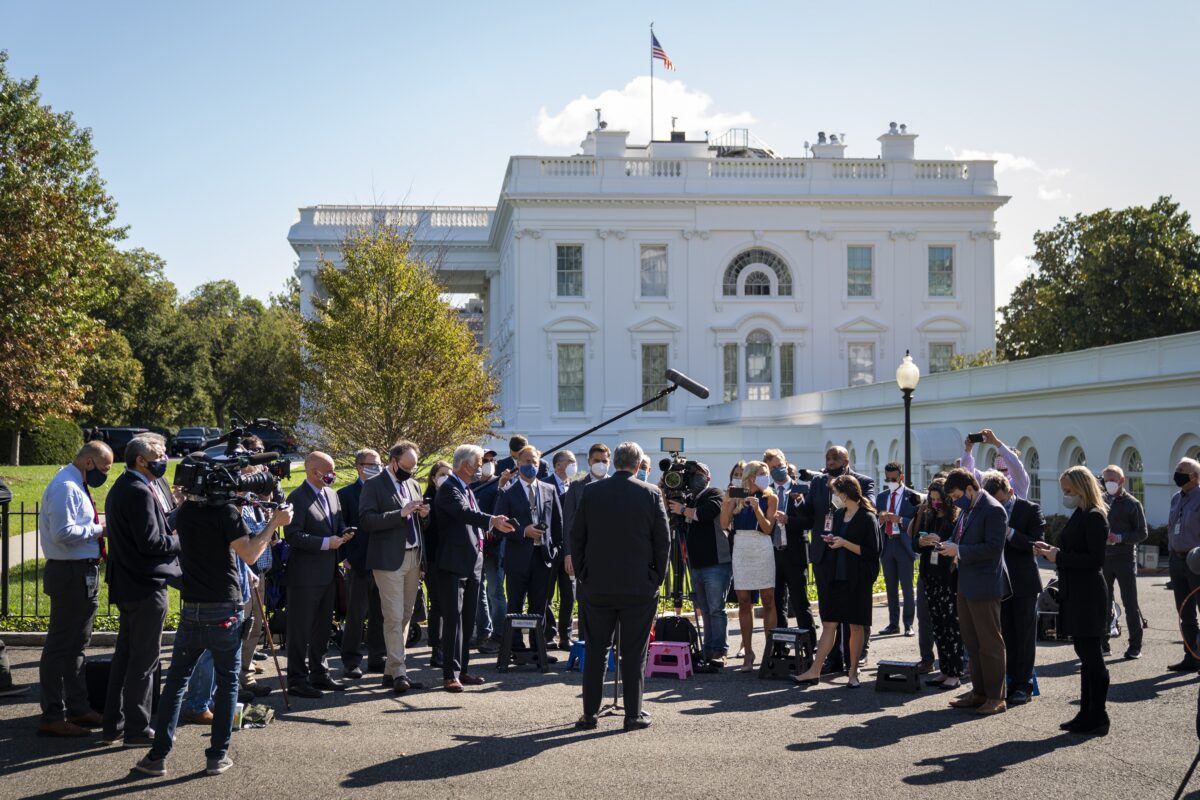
{"type": "Point", "coordinates": [158, 468]}
{"type": "Point", "coordinates": [529, 471]}
{"type": "Point", "coordinates": [779, 474]}
{"type": "Point", "coordinates": [963, 503]}
{"type": "Point", "coordinates": [642, 475]}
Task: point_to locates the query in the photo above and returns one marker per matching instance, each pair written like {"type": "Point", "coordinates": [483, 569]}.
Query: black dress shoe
{"type": "Point", "coordinates": [1073, 723]}
{"type": "Point", "coordinates": [586, 723]}
{"type": "Point", "coordinates": [402, 685]}
{"type": "Point", "coordinates": [1106, 649]}
{"type": "Point", "coordinates": [638, 723]}
{"type": "Point", "coordinates": [909, 631]}
{"type": "Point", "coordinates": [1187, 665]}
{"type": "Point", "coordinates": [388, 681]}
{"type": "Point", "coordinates": [305, 690]}
{"type": "Point", "coordinates": [890, 630]}
{"type": "Point", "coordinates": [1091, 725]}
{"type": "Point", "coordinates": [328, 683]}
{"type": "Point", "coordinates": [354, 672]}
{"type": "Point", "coordinates": [1018, 698]}
{"type": "Point", "coordinates": [1133, 652]}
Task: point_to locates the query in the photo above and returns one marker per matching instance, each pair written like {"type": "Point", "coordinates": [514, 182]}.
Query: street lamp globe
{"type": "Point", "coordinates": [908, 374]}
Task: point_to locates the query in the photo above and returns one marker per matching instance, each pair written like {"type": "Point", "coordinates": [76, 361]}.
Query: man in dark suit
{"type": "Point", "coordinates": [897, 505]}
{"type": "Point", "coordinates": [562, 475]}
{"type": "Point", "coordinates": [1018, 612]}
{"type": "Point", "coordinates": [791, 550]}
{"type": "Point", "coordinates": [599, 462]}
{"type": "Point", "coordinates": [142, 558]}
{"type": "Point", "coordinates": [362, 595]}
{"type": "Point", "coordinates": [978, 546]}
{"type": "Point", "coordinates": [489, 617]}
{"type": "Point", "coordinates": [508, 464]}
{"type": "Point", "coordinates": [461, 528]}
{"type": "Point", "coordinates": [816, 514]}
{"type": "Point", "coordinates": [392, 512]}
{"type": "Point", "coordinates": [620, 541]}
{"type": "Point", "coordinates": [314, 535]}
{"type": "Point", "coordinates": [534, 544]}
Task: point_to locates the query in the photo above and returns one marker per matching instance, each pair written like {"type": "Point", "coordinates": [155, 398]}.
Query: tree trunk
{"type": "Point", "coordinates": [14, 453]}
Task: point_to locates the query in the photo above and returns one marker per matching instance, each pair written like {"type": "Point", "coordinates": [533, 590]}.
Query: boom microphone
{"type": "Point", "coordinates": [264, 458]}
{"type": "Point", "coordinates": [679, 379]}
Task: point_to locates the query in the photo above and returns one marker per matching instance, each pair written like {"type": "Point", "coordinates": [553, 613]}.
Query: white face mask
{"type": "Point", "coordinates": [838, 502]}
{"type": "Point", "coordinates": [571, 469]}
{"type": "Point", "coordinates": [892, 486]}
{"type": "Point", "coordinates": [762, 481]}
{"type": "Point", "coordinates": [371, 470]}
{"type": "Point", "coordinates": [1111, 487]}
{"type": "Point", "coordinates": [600, 469]}
{"type": "Point", "coordinates": [488, 470]}
{"type": "Point", "coordinates": [1070, 501]}
{"type": "Point", "coordinates": [439, 481]}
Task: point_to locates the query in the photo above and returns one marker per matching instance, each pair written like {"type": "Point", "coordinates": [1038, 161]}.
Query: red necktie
{"type": "Point", "coordinates": [96, 520]}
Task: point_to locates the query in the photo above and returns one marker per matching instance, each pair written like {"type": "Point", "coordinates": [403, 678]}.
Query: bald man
{"type": "Point", "coordinates": [314, 536]}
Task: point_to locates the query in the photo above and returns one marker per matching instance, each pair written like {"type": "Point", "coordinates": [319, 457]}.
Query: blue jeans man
{"type": "Point", "coordinates": [710, 588]}
{"type": "Point", "coordinates": [493, 606]}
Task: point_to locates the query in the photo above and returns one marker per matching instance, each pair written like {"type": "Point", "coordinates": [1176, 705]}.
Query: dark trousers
{"type": "Point", "coordinates": [924, 622]}
{"type": "Point", "coordinates": [1124, 573]}
{"type": "Point", "coordinates": [791, 589]}
{"type": "Point", "coordinates": [433, 613]}
{"type": "Point", "coordinates": [603, 613]}
{"type": "Point", "coordinates": [139, 640]}
{"type": "Point", "coordinates": [1018, 623]}
{"type": "Point", "coordinates": [898, 578]}
{"type": "Point", "coordinates": [1093, 676]}
{"type": "Point", "coordinates": [362, 606]}
{"type": "Point", "coordinates": [979, 621]}
{"type": "Point", "coordinates": [559, 580]}
{"type": "Point", "coordinates": [531, 584]}
{"type": "Point", "coordinates": [460, 601]}
{"type": "Point", "coordinates": [309, 622]}
{"type": "Point", "coordinates": [5, 670]}
{"type": "Point", "coordinates": [1183, 582]}
{"type": "Point", "coordinates": [72, 587]}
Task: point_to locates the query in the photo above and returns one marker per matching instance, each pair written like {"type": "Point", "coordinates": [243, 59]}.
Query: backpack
{"type": "Point", "coordinates": [678, 629]}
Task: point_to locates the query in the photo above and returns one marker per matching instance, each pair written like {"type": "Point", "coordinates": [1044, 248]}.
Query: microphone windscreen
{"type": "Point", "coordinates": [683, 381]}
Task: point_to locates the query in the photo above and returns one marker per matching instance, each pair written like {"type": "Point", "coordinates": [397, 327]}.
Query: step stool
{"type": "Point", "coordinates": [673, 658]}
{"type": "Point", "coordinates": [579, 655]}
{"type": "Point", "coordinates": [779, 666]}
{"type": "Point", "coordinates": [1036, 691]}
{"type": "Point", "coordinates": [523, 622]}
{"type": "Point", "coordinates": [897, 676]}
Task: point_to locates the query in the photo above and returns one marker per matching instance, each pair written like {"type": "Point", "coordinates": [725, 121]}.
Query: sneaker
{"type": "Point", "coordinates": [150, 766]}
{"type": "Point", "coordinates": [215, 766]}
{"type": "Point", "coordinates": [259, 655]}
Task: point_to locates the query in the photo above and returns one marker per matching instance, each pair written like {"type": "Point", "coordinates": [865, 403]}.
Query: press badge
{"type": "Point", "coordinates": [933, 557]}
{"type": "Point", "coordinates": [93, 581]}
{"type": "Point", "coordinates": [829, 523]}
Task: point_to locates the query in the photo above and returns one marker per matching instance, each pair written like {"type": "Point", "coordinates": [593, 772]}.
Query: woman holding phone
{"type": "Point", "coordinates": [933, 524]}
{"type": "Point", "coordinates": [850, 575]}
{"type": "Point", "coordinates": [752, 518]}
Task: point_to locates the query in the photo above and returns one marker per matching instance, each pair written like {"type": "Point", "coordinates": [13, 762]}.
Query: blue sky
{"type": "Point", "coordinates": [215, 121]}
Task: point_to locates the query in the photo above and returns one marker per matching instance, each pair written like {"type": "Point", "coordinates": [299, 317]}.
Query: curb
{"type": "Point", "coordinates": [99, 638]}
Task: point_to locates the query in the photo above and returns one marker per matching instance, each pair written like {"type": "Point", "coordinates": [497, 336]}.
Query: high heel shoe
{"type": "Point", "coordinates": [806, 681]}
{"type": "Point", "coordinates": [747, 662]}
{"type": "Point", "coordinates": [853, 683]}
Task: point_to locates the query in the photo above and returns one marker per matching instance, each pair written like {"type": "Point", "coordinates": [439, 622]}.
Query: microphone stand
{"type": "Point", "coordinates": [615, 707]}
{"type": "Point", "coordinates": [594, 428]}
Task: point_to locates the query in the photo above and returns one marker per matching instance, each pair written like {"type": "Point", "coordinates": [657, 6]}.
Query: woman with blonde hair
{"type": "Point", "coordinates": [752, 518]}
{"type": "Point", "coordinates": [1083, 604]}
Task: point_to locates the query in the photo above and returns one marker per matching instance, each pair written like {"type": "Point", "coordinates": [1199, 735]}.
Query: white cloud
{"type": "Point", "coordinates": [1046, 193]}
{"type": "Point", "coordinates": [1008, 162]}
{"type": "Point", "coordinates": [629, 109]}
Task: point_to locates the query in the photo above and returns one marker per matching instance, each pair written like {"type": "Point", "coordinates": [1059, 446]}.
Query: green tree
{"type": "Point", "coordinates": [224, 319]}
{"type": "Point", "coordinates": [111, 381]}
{"type": "Point", "coordinates": [387, 357]}
{"type": "Point", "coordinates": [984, 358]}
{"type": "Point", "coordinates": [56, 225]}
{"type": "Point", "coordinates": [1106, 278]}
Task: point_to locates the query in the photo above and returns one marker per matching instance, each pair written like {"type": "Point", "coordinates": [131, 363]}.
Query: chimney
{"type": "Point", "coordinates": [828, 147]}
{"type": "Point", "coordinates": [605, 143]}
{"type": "Point", "coordinates": [678, 136]}
{"type": "Point", "coordinates": [898, 144]}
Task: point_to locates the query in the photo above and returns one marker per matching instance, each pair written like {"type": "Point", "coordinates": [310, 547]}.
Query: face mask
{"type": "Point", "coordinates": [528, 471]}
{"type": "Point", "coordinates": [1111, 487]}
{"type": "Point", "coordinates": [1182, 479]}
{"type": "Point", "coordinates": [438, 481]}
{"type": "Point", "coordinates": [937, 504]}
{"type": "Point", "coordinates": [402, 474]}
{"type": "Point", "coordinates": [762, 481]}
{"type": "Point", "coordinates": [641, 475]}
{"type": "Point", "coordinates": [962, 503]}
{"type": "Point", "coordinates": [834, 473]}
{"type": "Point", "coordinates": [488, 470]}
{"type": "Point", "coordinates": [599, 469]}
{"type": "Point", "coordinates": [371, 470]}
{"type": "Point", "coordinates": [1070, 501]}
{"type": "Point", "coordinates": [779, 474]}
{"type": "Point", "coordinates": [158, 468]}
{"type": "Point", "coordinates": [838, 502]}
{"type": "Point", "coordinates": [699, 484]}
{"type": "Point", "coordinates": [571, 470]}
{"type": "Point", "coordinates": [328, 478]}
{"type": "Point", "coordinates": [95, 478]}
{"type": "Point", "coordinates": [736, 480]}
{"type": "Point", "coordinates": [892, 486]}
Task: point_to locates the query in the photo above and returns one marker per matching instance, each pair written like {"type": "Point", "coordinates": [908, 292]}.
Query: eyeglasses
{"type": "Point", "coordinates": [258, 450]}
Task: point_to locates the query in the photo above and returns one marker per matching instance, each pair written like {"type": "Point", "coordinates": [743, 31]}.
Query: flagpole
{"type": "Point", "coordinates": [651, 81]}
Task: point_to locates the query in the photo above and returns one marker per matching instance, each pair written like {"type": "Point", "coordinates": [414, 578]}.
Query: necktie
{"type": "Point", "coordinates": [892, 503]}
{"type": "Point", "coordinates": [412, 523]}
{"type": "Point", "coordinates": [96, 520]}
{"type": "Point", "coordinates": [474, 507]}
{"type": "Point", "coordinates": [533, 509]}
{"type": "Point", "coordinates": [325, 506]}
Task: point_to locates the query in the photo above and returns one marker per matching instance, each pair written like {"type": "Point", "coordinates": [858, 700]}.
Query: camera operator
{"type": "Point", "coordinates": [212, 538]}
{"type": "Point", "coordinates": [710, 562]}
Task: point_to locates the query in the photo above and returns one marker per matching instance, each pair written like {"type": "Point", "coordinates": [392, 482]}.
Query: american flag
{"type": "Point", "coordinates": [656, 51]}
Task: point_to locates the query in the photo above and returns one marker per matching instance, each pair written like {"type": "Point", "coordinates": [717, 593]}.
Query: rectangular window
{"type": "Point", "coordinates": [654, 270]}
{"type": "Point", "coordinates": [730, 356]}
{"type": "Point", "coordinates": [787, 370]}
{"type": "Point", "coordinates": [941, 354]}
{"type": "Point", "coordinates": [654, 364]}
{"type": "Point", "coordinates": [860, 272]}
{"type": "Point", "coordinates": [862, 364]}
{"type": "Point", "coordinates": [941, 272]}
{"type": "Point", "coordinates": [569, 270]}
{"type": "Point", "coordinates": [570, 378]}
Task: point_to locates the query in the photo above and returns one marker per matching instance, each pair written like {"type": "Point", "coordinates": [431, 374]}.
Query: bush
{"type": "Point", "coordinates": [56, 441]}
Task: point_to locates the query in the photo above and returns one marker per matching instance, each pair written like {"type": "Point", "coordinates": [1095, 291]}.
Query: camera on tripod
{"type": "Point", "coordinates": [218, 480]}
{"type": "Point", "coordinates": [682, 478]}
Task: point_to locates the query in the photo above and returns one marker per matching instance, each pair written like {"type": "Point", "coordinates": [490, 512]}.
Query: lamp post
{"type": "Point", "coordinates": [908, 375]}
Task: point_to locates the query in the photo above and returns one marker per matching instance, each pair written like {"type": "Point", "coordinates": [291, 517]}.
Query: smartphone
{"type": "Point", "coordinates": [975, 438]}
{"type": "Point", "coordinates": [737, 492]}
{"type": "Point", "coordinates": [541, 526]}
{"type": "Point", "coordinates": [349, 533]}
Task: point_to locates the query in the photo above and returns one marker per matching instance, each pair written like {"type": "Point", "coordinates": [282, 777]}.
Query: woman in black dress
{"type": "Point", "coordinates": [849, 571]}
{"type": "Point", "coordinates": [934, 523]}
{"type": "Point", "coordinates": [1083, 604]}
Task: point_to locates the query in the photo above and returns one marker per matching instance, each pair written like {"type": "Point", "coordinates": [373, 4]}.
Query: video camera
{"type": "Point", "coordinates": [218, 480]}
{"type": "Point", "coordinates": [682, 478]}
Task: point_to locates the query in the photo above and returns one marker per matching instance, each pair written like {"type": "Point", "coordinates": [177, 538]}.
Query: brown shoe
{"type": "Point", "coordinates": [971, 700]}
{"type": "Point", "coordinates": [925, 668]}
{"type": "Point", "coordinates": [61, 729]}
{"type": "Point", "coordinates": [992, 707]}
{"type": "Point", "coordinates": [470, 680]}
{"type": "Point", "coordinates": [204, 717]}
{"type": "Point", "coordinates": [452, 686]}
{"type": "Point", "coordinates": [89, 720]}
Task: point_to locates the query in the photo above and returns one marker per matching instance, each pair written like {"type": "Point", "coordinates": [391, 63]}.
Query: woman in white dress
{"type": "Point", "coordinates": [751, 518]}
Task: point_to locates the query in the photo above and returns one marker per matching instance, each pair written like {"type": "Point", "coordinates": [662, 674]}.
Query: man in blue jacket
{"type": "Point", "coordinates": [897, 505]}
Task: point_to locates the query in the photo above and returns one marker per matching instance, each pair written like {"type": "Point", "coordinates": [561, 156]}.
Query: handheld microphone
{"type": "Point", "coordinates": [679, 379]}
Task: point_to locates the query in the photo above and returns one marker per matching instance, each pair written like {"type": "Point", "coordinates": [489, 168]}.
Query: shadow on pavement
{"type": "Point", "coordinates": [991, 761]}
{"type": "Point", "coordinates": [887, 730]}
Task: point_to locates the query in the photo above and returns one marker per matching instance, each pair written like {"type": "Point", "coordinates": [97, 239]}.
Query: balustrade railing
{"type": "Point", "coordinates": [569, 167]}
{"type": "Point", "coordinates": [756, 168]}
{"type": "Point", "coordinates": [654, 168]}
{"type": "Point", "coordinates": [942, 171]}
{"type": "Point", "coordinates": [859, 170]}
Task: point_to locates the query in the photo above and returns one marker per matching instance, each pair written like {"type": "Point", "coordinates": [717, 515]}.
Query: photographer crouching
{"type": "Point", "coordinates": [708, 558]}
{"type": "Point", "coordinates": [212, 535]}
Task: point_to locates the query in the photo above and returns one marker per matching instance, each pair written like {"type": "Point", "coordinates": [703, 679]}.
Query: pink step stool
{"type": "Point", "coordinates": [674, 658]}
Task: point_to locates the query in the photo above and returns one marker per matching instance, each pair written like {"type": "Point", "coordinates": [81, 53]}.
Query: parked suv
{"type": "Point", "coordinates": [117, 438]}
{"type": "Point", "coordinates": [273, 440]}
{"type": "Point", "coordinates": [188, 440]}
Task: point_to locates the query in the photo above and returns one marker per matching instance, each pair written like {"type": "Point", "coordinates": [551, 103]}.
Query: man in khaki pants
{"type": "Point", "coordinates": [392, 512]}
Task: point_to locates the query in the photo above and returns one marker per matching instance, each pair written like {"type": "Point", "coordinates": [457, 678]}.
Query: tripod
{"type": "Point", "coordinates": [258, 603]}
{"type": "Point", "coordinates": [615, 707]}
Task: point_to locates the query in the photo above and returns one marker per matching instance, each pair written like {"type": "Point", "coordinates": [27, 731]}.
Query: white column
{"type": "Point", "coordinates": [741, 346]}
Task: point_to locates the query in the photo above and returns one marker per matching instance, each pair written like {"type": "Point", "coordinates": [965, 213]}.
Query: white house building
{"type": "Point", "coordinates": [781, 284]}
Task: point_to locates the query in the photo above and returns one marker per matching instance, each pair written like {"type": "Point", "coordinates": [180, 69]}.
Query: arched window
{"type": "Point", "coordinates": [759, 257]}
{"type": "Point", "coordinates": [757, 284]}
{"type": "Point", "coordinates": [1193, 453]}
{"type": "Point", "coordinates": [1078, 458]}
{"type": "Point", "coordinates": [1033, 465]}
{"type": "Point", "coordinates": [759, 369]}
{"type": "Point", "coordinates": [1131, 464]}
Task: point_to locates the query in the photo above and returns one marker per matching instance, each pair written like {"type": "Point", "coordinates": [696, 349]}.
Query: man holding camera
{"type": "Point", "coordinates": [211, 537]}
{"type": "Point", "coordinates": [710, 561]}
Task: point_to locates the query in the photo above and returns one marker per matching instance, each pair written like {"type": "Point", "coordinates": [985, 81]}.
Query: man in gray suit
{"type": "Point", "coordinates": [983, 582]}
{"type": "Point", "coordinates": [392, 511]}
{"type": "Point", "coordinates": [619, 543]}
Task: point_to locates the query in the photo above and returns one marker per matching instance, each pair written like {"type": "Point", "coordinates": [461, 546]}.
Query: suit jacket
{"type": "Point", "coordinates": [164, 487]}
{"type": "Point", "coordinates": [520, 553]}
{"type": "Point", "coordinates": [143, 553]}
{"type": "Point", "coordinates": [308, 564]}
{"type": "Point", "coordinates": [906, 510]}
{"type": "Point", "coordinates": [796, 550]}
{"type": "Point", "coordinates": [353, 552]}
{"type": "Point", "coordinates": [620, 538]}
{"type": "Point", "coordinates": [429, 530]}
{"type": "Point", "coordinates": [817, 507]}
{"type": "Point", "coordinates": [1083, 603]}
{"type": "Point", "coordinates": [570, 505]}
{"type": "Point", "coordinates": [379, 515]}
{"type": "Point", "coordinates": [1028, 526]}
{"type": "Point", "coordinates": [460, 531]}
{"type": "Point", "coordinates": [982, 574]}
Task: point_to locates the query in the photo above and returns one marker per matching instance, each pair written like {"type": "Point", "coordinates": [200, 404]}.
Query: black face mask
{"type": "Point", "coordinates": [402, 474]}
{"type": "Point", "coordinates": [834, 473]}
{"type": "Point", "coordinates": [1182, 479]}
{"type": "Point", "coordinates": [95, 478]}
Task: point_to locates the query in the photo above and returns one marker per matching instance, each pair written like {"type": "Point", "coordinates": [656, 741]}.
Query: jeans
{"type": "Point", "coordinates": [898, 579]}
{"type": "Point", "coordinates": [710, 587]}
{"type": "Point", "coordinates": [1124, 573]}
{"type": "Point", "coordinates": [199, 696]}
{"type": "Point", "coordinates": [219, 631]}
{"type": "Point", "coordinates": [493, 606]}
